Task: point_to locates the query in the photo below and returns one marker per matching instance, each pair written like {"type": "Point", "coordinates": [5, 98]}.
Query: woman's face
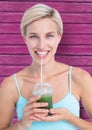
{"type": "Point", "coordinates": [42, 40]}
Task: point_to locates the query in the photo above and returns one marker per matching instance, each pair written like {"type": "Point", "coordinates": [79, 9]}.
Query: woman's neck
{"type": "Point", "coordinates": [47, 69]}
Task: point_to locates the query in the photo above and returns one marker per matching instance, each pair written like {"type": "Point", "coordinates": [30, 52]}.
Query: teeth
{"type": "Point", "coordinates": [42, 53]}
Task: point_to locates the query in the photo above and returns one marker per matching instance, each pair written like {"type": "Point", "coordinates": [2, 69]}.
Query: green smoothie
{"type": "Point", "coordinates": [46, 98]}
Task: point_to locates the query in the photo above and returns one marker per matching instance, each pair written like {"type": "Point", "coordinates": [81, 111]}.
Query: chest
{"type": "Point", "coordinates": [59, 84]}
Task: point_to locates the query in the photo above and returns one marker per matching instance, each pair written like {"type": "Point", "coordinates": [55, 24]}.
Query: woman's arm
{"type": "Point", "coordinates": [80, 123]}
{"type": "Point", "coordinates": [84, 81]}
{"type": "Point", "coordinates": [8, 99]}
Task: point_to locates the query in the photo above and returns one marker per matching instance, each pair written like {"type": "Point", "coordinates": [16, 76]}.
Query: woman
{"type": "Point", "coordinates": [42, 30]}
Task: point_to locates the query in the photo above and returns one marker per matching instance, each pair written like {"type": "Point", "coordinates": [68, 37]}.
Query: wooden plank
{"type": "Point", "coordinates": [9, 28]}
{"type": "Point", "coordinates": [11, 39]}
{"type": "Point", "coordinates": [15, 60]}
{"type": "Point", "coordinates": [9, 70]}
{"type": "Point", "coordinates": [75, 60]}
{"type": "Point", "coordinates": [75, 50]}
{"type": "Point", "coordinates": [11, 49]}
{"type": "Point", "coordinates": [77, 39]}
{"type": "Point", "coordinates": [61, 6]}
{"type": "Point", "coordinates": [73, 1]}
{"type": "Point", "coordinates": [68, 28]}
{"type": "Point", "coordinates": [77, 18]}
{"type": "Point", "coordinates": [10, 17]}
{"type": "Point", "coordinates": [70, 39]}
{"type": "Point", "coordinates": [78, 28]}
{"type": "Point", "coordinates": [62, 49]}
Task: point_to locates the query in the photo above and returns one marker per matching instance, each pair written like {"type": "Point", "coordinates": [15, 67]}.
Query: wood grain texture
{"type": "Point", "coordinates": [73, 1]}
{"type": "Point", "coordinates": [75, 60]}
{"type": "Point", "coordinates": [62, 6]}
{"type": "Point", "coordinates": [15, 60]}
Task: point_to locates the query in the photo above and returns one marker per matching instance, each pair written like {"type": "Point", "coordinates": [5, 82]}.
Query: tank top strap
{"type": "Point", "coordinates": [17, 85]}
{"type": "Point", "coordinates": [70, 79]}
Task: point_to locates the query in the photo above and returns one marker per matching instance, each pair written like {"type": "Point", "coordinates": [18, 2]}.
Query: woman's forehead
{"type": "Point", "coordinates": [44, 25]}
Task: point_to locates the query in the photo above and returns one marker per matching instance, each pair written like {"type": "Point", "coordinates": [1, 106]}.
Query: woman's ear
{"type": "Point", "coordinates": [24, 39]}
{"type": "Point", "coordinates": [59, 38]}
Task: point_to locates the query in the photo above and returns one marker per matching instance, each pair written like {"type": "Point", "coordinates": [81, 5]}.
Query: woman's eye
{"type": "Point", "coordinates": [33, 36]}
{"type": "Point", "coordinates": [48, 36]}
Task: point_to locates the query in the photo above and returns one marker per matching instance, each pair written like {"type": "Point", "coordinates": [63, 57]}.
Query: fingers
{"type": "Point", "coordinates": [54, 111]}
{"type": "Point", "coordinates": [58, 111]}
{"type": "Point", "coordinates": [33, 103]}
{"type": "Point", "coordinates": [34, 99]}
{"type": "Point", "coordinates": [33, 118]}
{"type": "Point", "coordinates": [37, 105]}
{"type": "Point", "coordinates": [35, 111]}
{"type": "Point", "coordinates": [46, 117]}
{"type": "Point", "coordinates": [36, 117]}
{"type": "Point", "coordinates": [56, 115]}
{"type": "Point", "coordinates": [34, 106]}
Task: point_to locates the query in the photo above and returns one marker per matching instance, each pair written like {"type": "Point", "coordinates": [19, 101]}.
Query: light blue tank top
{"type": "Point", "coordinates": [69, 102]}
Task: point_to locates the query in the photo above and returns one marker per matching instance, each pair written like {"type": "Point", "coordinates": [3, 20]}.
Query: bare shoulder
{"type": "Point", "coordinates": [81, 74]}
{"type": "Point", "coordinates": [84, 82]}
{"type": "Point", "coordinates": [8, 87]}
{"type": "Point", "coordinates": [8, 98]}
{"type": "Point", "coordinates": [9, 84]}
{"type": "Point", "coordinates": [82, 77]}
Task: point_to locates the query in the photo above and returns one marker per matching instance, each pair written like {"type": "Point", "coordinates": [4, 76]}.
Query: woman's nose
{"type": "Point", "coordinates": [41, 44]}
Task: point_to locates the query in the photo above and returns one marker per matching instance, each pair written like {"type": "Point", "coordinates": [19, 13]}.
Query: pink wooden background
{"type": "Point", "coordinates": [76, 45]}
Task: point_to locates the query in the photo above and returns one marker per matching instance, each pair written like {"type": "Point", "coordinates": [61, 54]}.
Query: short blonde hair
{"type": "Point", "coordinates": [40, 11]}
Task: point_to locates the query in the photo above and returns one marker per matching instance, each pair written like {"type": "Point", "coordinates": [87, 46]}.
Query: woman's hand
{"type": "Point", "coordinates": [57, 115]}
{"type": "Point", "coordinates": [33, 108]}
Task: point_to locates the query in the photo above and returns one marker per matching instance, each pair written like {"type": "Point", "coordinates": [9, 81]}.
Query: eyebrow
{"type": "Point", "coordinates": [37, 33]}
{"type": "Point", "coordinates": [32, 33]}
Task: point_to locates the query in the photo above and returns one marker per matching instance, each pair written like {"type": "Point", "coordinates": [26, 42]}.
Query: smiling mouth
{"type": "Point", "coordinates": [42, 53]}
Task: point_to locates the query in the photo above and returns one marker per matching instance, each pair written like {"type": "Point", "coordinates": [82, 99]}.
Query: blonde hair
{"type": "Point", "coordinates": [40, 11]}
